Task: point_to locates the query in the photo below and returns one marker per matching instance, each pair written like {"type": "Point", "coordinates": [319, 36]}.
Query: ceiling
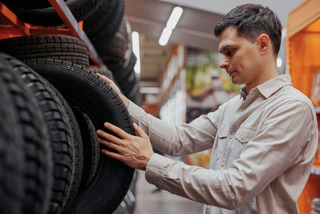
{"type": "Point", "coordinates": [194, 29]}
{"type": "Point", "coordinates": [148, 17]}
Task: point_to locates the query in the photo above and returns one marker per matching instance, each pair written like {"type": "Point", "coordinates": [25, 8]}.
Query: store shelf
{"type": "Point", "coordinates": [13, 27]}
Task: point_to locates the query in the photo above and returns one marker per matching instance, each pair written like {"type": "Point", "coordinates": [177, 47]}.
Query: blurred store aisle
{"type": "Point", "coordinates": [149, 200]}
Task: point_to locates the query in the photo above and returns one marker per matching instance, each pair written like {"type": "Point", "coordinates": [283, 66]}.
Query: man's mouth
{"type": "Point", "coordinates": [231, 73]}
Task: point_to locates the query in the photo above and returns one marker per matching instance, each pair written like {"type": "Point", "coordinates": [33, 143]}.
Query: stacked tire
{"type": "Point", "coordinates": [52, 103]}
{"type": "Point", "coordinates": [109, 35]}
{"type": "Point", "coordinates": [123, 67]}
{"type": "Point", "coordinates": [25, 151]}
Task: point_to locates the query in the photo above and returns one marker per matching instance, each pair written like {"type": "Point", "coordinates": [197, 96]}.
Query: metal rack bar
{"type": "Point", "coordinates": [69, 20]}
{"type": "Point", "coordinates": [11, 18]}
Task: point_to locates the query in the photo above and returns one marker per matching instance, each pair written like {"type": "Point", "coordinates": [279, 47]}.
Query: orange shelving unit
{"type": "Point", "coordinates": [303, 64]}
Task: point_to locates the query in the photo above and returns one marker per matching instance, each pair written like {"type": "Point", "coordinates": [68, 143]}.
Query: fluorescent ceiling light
{"type": "Point", "coordinates": [171, 24]}
{"type": "Point", "coordinates": [165, 35]}
{"type": "Point", "coordinates": [136, 50]}
{"type": "Point", "coordinates": [174, 17]}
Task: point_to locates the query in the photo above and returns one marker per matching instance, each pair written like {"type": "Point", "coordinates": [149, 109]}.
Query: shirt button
{"type": "Point", "coordinates": [222, 164]}
{"type": "Point", "coordinates": [230, 136]}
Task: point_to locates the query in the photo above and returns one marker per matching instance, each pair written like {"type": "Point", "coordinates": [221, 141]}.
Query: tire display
{"type": "Point", "coordinates": [52, 103]}
{"type": "Point", "coordinates": [98, 100]}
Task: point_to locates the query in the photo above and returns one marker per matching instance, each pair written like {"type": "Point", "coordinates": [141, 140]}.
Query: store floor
{"type": "Point", "coordinates": [151, 201]}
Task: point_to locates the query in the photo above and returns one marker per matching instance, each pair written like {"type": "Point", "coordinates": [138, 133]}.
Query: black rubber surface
{"type": "Point", "coordinates": [102, 26]}
{"type": "Point", "coordinates": [65, 139]}
{"type": "Point", "coordinates": [98, 100]}
{"type": "Point", "coordinates": [37, 163]}
{"type": "Point", "coordinates": [91, 147]}
{"type": "Point", "coordinates": [12, 163]}
{"type": "Point", "coordinates": [47, 16]}
{"type": "Point", "coordinates": [47, 46]}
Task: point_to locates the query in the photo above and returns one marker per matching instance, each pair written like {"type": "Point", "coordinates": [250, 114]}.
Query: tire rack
{"type": "Point", "coordinates": [13, 27]}
{"type": "Point", "coordinates": [302, 56]}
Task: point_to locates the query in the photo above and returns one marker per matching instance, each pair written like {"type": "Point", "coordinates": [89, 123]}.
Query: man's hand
{"type": "Point", "coordinates": [115, 88]}
{"type": "Point", "coordinates": [134, 151]}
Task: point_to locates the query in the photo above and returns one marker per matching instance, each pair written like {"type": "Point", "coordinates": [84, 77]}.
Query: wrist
{"type": "Point", "coordinates": [146, 162]}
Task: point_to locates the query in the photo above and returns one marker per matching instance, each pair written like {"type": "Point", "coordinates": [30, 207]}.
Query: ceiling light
{"type": "Point", "coordinates": [174, 17]}
{"type": "Point", "coordinates": [165, 35]}
{"type": "Point", "coordinates": [136, 50]}
{"type": "Point", "coordinates": [171, 24]}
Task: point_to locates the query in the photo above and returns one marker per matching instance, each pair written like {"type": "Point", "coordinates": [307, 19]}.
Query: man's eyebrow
{"type": "Point", "coordinates": [227, 46]}
{"type": "Point", "coordinates": [223, 48]}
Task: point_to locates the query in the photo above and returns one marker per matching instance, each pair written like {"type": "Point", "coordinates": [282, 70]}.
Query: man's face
{"type": "Point", "coordinates": [240, 57]}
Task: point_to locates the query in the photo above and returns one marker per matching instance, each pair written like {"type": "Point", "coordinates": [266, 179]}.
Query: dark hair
{"type": "Point", "coordinates": [252, 20]}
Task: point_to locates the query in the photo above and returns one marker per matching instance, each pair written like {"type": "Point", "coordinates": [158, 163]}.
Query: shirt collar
{"type": "Point", "coordinates": [269, 87]}
{"type": "Point", "coordinates": [243, 92]}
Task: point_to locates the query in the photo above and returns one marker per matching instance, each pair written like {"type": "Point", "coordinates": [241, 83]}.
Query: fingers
{"type": "Point", "coordinates": [112, 154]}
{"type": "Point", "coordinates": [116, 130]}
{"type": "Point", "coordinates": [134, 151]}
{"type": "Point", "coordinates": [122, 134]}
{"type": "Point", "coordinates": [110, 141]}
{"type": "Point", "coordinates": [109, 81]}
{"type": "Point", "coordinates": [109, 144]}
{"type": "Point", "coordinates": [108, 137]}
{"type": "Point", "coordinates": [139, 131]}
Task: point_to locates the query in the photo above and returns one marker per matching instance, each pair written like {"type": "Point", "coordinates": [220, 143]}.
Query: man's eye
{"type": "Point", "coordinates": [229, 52]}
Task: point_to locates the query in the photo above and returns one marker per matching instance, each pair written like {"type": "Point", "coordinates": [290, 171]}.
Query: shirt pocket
{"type": "Point", "coordinates": [222, 143]}
{"type": "Point", "coordinates": [242, 137]}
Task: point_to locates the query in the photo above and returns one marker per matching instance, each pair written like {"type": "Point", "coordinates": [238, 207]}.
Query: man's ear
{"type": "Point", "coordinates": [263, 42]}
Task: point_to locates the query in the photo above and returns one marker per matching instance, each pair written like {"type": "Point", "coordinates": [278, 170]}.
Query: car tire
{"type": "Point", "coordinates": [37, 155]}
{"type": "Point", "coordinates": [63, 47]}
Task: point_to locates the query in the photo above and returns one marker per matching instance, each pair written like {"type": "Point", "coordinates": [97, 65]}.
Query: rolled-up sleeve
{"type": "Point", "coordinates": [176, 140]}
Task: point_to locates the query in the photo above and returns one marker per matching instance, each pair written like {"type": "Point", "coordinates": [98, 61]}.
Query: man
{"type": "Point", "coordinates": [263, 141]}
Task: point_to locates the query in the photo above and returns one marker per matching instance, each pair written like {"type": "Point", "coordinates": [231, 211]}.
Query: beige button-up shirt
{"type": "Point", "coordinates": [263, 145]}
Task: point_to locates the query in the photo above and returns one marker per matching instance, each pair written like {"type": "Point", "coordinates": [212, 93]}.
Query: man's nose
{"type": "Point", "coordinates": [223, 63]}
